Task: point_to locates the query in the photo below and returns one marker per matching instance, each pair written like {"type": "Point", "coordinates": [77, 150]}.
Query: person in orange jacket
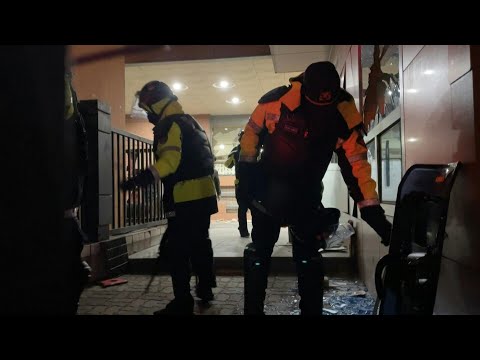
{"type": "Point", "coordinates": [299, 127]}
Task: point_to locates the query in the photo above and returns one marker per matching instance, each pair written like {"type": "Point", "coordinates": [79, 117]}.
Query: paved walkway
{"type": "Point", "coordinates": [342, 297]}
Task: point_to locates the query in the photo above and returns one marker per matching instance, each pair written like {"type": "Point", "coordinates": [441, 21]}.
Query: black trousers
{"type": "Point", "coordinates": [189, 246]}
{"type": "Point", "coordinates": [309, 265]}
{"type": "Point", "coordinates": [266, 231]}
{"type": "Point", "coordinates": [243, 206]}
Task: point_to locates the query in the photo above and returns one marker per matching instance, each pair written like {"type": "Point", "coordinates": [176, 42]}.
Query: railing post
{"type": "Point", "coordinates": [97, 210]}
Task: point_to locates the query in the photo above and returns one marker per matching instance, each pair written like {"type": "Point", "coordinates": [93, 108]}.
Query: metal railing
{"type": "Point", "coordinates": [142, 207]}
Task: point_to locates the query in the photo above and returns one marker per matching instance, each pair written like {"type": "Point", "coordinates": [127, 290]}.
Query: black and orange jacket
{"type": "Point", "coordinates": [350, 147]}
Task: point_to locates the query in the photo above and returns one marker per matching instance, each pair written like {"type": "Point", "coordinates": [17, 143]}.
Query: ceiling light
{"type": "Point", "coordinates": [226, 129]}
{"type": "Point", "coordinates": [177, 86]}
{"type": "Point", "coordinates": [412, 91]}
{"type": "Point", "coordinates": [412, 139]}
{"type": "Point", "coordinates": [429, 72]}
{"type": "Point", "coordinates": [223, 84]}
{"type": "Point", "coordinates": [235, 100]}
{"type": "Point", "coordinates": [221, 146]}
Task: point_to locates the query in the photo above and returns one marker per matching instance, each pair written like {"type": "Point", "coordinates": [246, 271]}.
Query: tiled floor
{"type": "Point", "coordinates": [342, 297]}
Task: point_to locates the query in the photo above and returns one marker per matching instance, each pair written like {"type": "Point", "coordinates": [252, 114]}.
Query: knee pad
{"type": "Point", "coordinates": [254, 264]}
{"type": "Point", "coordinates": [312, 266]}
{"type": "Point", "coordinates": [310, 285]}
{"type": "Point", "coordinates": [251, 257]}
{"type": "Point", "coordinates": [255, 280]}
{"type": "Point", "coordinates": [250, 250]}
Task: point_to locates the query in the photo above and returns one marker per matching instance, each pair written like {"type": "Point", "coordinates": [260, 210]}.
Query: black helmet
{"type": "Point", "coordinates": [321, 82]}
{"type": "Point", "coordinates": [153, 92]}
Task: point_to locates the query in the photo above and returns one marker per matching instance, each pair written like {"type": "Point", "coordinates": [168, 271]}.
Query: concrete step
{"type": "Point", "coordinates": [228, 249]}
{"type": "Point", "coordinates": [229, 266]}
{"type": "Point", "coordinates": [228, 194]}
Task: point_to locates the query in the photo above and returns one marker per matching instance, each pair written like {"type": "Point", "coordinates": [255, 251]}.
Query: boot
{"type": "Point", "coordinates": [256, 280]}
{"type": "Point", "coordinates": [244, 233]}
{"type": "Point", "coordinates": [204, 293]}
{"type": "Point", "coordinates": [310, 286]}
{"type": "Point", "coordinates": [177, 307]}
{"type": "Point", "coordinates": [203, 265]}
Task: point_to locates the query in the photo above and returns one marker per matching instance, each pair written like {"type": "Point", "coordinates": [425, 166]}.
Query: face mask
{"type": "Point", "coordinates": [321, 83]}
{"type": "Point", "coordinates": [153, 118]}
{"type": "Point", "coordinates": [313, 110]}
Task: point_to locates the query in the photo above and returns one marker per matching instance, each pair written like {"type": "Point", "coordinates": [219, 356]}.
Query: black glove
{"type": "Point", "coordinates": [143, 179]}
{"type": "Point", "coordinates": [375, 217]}
{"type": "Point", "coordinates": [128, 185]}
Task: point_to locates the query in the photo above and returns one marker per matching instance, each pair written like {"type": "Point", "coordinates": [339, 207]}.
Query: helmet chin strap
{"type": "Point", "coordinates": [318, 103]}
{"type": "Point", "coordinates": [316, 100]}
{"type": "Point", "coordinates": [154, 118]}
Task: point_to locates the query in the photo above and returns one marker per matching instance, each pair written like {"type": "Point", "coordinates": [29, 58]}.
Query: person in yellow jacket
{"type": "Point", "coordinates": [185, 164]}
{"type": "Point", "coordinates": [299, 127]}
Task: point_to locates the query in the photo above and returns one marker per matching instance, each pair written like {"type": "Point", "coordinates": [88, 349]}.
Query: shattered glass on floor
{"type": "Point", "coordinates": [341, 297]}
{"type": "Point", "coordinates": [347, 298]}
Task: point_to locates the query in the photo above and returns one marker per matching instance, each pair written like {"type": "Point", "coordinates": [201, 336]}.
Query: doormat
{"type": "Point", "coordinates": [113, 282]}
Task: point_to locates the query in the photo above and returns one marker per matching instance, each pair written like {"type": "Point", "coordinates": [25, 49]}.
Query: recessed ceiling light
{"type": "Point", "coordinates": [235, 100]}
{"type": "Point", "coordinates": [226, 129]}
{"type": "Point", "coordinates": [428, 72]}
{"type": "Point", "coordinates": [223, 84]}
{"type": "Point", "coordinates": [177, 86]}
{"type": "Point", "coordinates": [221, 146]}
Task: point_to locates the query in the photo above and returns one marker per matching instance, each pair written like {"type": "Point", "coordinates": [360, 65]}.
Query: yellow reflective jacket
{"type": "Point", "coordinates": [184, 166]}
